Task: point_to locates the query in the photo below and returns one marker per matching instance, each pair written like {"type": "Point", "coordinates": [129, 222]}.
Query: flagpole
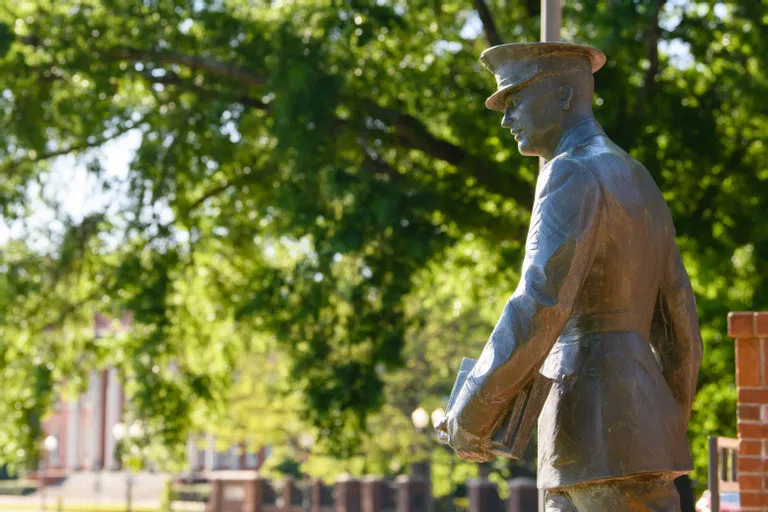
{"type": "Point", "coordinates": [551, 23]}
{"type": "Point", "coordinates": [551, 19]}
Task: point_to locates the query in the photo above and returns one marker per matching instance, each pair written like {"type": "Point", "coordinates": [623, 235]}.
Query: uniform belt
{"type": "Point", "coordinates": [587, 323]}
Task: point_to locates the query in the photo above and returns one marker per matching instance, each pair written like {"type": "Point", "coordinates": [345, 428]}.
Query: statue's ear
{"type": "Point", "coordinates": [566, 94]}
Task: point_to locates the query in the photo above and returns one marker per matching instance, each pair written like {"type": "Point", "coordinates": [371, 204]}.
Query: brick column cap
{"type": "Point", "coordinates": [231, 475]}
{"type": "Point", "coordinates": [410, 478]}
{"type": "Point", "coordinates": [479, 481]}
{"type": "Point", "coordinates": [521, 481]}
{"type": "Point", "coordinates": [748, 324]}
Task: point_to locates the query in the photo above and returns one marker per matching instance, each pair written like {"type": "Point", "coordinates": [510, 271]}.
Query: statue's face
{"type": "Point", "coordinates": [534, 115]}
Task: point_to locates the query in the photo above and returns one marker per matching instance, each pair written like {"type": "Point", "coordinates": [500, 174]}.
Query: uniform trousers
{"type": "Point", "coordinates": [646, 493]}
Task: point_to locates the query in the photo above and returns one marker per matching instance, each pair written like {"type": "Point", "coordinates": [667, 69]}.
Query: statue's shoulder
{"type": "Point", "coordinates": [600, 156]}
{"type": "Point", "coordinates": [568, 169]}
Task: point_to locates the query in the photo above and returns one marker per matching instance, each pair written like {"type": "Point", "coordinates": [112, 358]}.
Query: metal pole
{"type": "Point", "coordinates": [128, 490]}
{"type": "Point", "coordinates": [713, 474]}
{"type": "Point", "coordinates": [43, 474]}
{"type": "Point", "coordinates": [551, 19]}
{"type": "Point", "coordinates": [97, 487]}
{"type": "Point", "coordinates": [551, 23]}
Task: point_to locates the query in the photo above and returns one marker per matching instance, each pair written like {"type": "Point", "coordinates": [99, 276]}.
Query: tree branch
{"type": "Point", "coordinates": [211, 66]}
{"type": "Point", "coordinates": [173, 79]}
{"type": "Point", "coordinates": [489, 26]}
{"type": "Point", "coordinates": [209, 194]}
{"type": "Point", "coordinates": [410, 132]}
{"type": "Point", "coordinates": [652, 53]}
{"type": "Point", "coordinates": [68, 150]}
{"type": "Point", "coordinates": [208, 65]}
{"type": "Point", "coordinates": [468, 213]}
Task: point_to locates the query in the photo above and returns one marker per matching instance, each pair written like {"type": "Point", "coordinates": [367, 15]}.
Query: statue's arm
{"type": "Point", "coordinates": [561, 247]}
{"type": "Point", "coordinates": [676, 335]}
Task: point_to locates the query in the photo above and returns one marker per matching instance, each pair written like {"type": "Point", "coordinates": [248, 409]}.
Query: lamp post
{"type": "Point", "coordinates": [437, 416]}
{"type": "Point", "coordinates": [420, 419]}
{"type": "Point", "coordinates": [50, 444]}
{"type": "Point", "coordinates": [306, 442]}
{"type": "Point", "coordinates": [123, 434]}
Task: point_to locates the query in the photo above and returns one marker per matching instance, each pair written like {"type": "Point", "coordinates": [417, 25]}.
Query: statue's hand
{"type": "Point", "coordinates": [466, 445]}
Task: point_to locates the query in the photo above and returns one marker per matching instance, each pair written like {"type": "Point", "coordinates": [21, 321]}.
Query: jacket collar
{"type": "Point", "coordinates": [579, 134]}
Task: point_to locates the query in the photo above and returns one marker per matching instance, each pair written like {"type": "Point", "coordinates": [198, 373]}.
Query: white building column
{"type": "Point", "coordinates": [113, 416]}
{"type": "Point", "coordinates": [95, 424]}
{"type": "Point", "coordinates": [251, 459]}
{"type": "Point", "coordinates": [211, 460]}
{"type": "Point", "coordinates": [234, 457]}
{"type": "Point", "coordinates": [193, 454]}
{"type": "Point", "coordinates": [73, 435]}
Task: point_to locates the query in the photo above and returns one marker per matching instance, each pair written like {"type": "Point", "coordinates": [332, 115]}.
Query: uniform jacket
{"type": "Point", "coordinates": [604, 307]}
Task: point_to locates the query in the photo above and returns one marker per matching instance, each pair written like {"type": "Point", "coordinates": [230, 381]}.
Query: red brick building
{"type": "Point", "coordinates": [83, 427]}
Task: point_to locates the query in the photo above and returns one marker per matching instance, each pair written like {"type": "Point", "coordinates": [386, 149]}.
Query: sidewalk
{"type": "Point", "coordinates": [34, 502]}
{"type": "Point", "coordinates": [104, 491]}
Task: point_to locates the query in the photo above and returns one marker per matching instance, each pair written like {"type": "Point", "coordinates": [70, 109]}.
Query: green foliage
{"type": "Point", "coordinates": [320, 181]}
{"type": "Point", "coordinates": [166, 498]}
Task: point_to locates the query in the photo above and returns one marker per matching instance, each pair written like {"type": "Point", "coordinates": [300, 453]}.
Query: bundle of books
{"type": "Point", "coordinates": [513, 434]}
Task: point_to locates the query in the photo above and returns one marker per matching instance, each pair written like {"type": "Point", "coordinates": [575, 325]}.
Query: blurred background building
{"type": "Point", "coordinates": [85, 427]}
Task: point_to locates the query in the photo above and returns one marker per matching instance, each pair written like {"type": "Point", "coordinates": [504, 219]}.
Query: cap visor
{"type": "Point", "coordinates": [497, 100]}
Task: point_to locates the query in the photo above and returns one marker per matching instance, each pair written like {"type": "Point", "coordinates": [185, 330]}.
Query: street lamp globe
{"type": "Point", "coordinates": [420, 418]}
{"type": "Point", "coordinates": [51, 444]}
{"type": "Point", "coordinates": [136, 430]}
{"type": "Point", "coordinates": [119, 430]}
{"type": "Point", "coordinates": [306, 441]}
{"type": "Point", "coordinates": [438, 415]}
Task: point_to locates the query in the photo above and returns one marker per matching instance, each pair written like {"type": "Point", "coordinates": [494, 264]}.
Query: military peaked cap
{"type": "Point", "coordinates": [516, 64]}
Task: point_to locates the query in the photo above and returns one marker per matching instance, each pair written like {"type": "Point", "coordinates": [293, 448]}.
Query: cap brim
{"type": "Point", "coordinates": [496, 101]}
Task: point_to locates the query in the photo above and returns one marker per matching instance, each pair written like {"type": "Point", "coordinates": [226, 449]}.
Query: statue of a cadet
{"type": "Point", "coordinates": [604, 307]}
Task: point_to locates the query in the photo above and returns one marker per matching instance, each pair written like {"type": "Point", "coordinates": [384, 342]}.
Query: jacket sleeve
{"type": "Point", "coordinates": [561, 246]}
{"type": "Point", "coordinates": [675, 332]}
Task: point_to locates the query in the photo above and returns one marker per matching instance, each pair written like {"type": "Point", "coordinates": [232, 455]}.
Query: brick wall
{"type": "Point", "coordinates": [751, 333]}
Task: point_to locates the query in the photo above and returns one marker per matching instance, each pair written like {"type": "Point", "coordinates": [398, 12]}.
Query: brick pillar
{"type": "Point", "coordinates": [317, 495]}
{"type": "Point", "coordinates": [751, 333]}
{"type": "Point", "coordinates": [215, 498]}
{"type": "Point", "coordinates": [413, 494]}
{"type": "Point", "coordinates": [291, 494]}
{"type": "Point", "coordinates": [523, 495]}
{"type": "Point", "coordinates": [348, 495]}
{"type": "Point", "coordinates": [483, 496]}
{"type": "Point", "coordinates": [254, 490]}
{"type": "Point", "coordinates": [373, 494]}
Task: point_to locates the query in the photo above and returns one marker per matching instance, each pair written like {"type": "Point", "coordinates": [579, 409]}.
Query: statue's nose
{"type": "Point", "coordinates": [506, 122]}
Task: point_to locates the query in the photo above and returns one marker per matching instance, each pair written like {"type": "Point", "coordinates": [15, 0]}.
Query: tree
{"type": "Point", "coordinates": [351, 133]}
{"type": "Point", "coordinates": [264, 410]}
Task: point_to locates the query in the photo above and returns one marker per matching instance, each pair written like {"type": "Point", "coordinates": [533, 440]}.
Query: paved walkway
{"type": "Point", "coordinates": [33, 503]}
{"type": "Point", "coordinates": [109, 487]}
{"type": "Point", "coordinates": [91, 489]}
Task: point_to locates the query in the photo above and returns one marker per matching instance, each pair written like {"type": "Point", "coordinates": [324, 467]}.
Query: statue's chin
{"type": "Point", "coordinates": [526, 149]}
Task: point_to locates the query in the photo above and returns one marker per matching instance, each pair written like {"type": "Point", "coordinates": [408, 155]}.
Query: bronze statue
{"type": "Point", "coordinates": [604, 307]}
